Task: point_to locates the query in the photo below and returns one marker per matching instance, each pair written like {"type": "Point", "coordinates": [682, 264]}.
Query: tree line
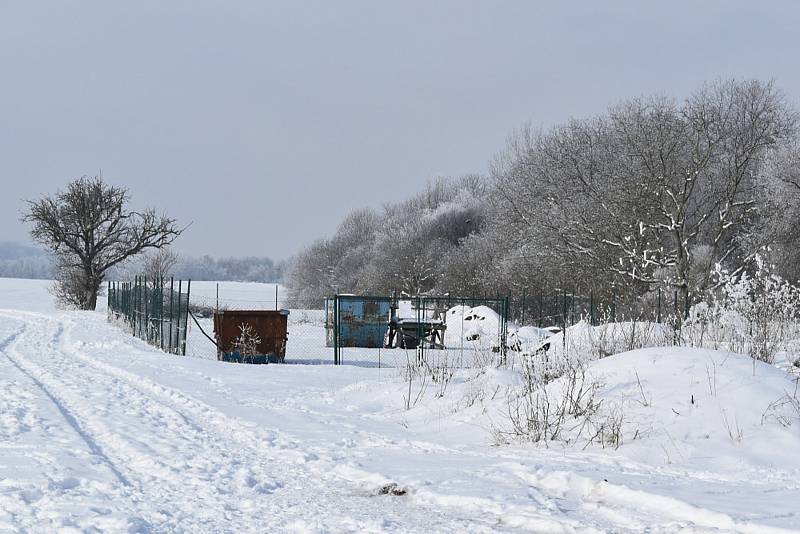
{"type": "Point", "coordinates": [655, 192]}
{"type": "Point", "coordinates": [28, 262]}
{"type": "Point", "coordinates": [242, 269]}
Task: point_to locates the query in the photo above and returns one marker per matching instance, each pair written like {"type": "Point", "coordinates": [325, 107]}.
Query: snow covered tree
{"type": "Point", "coordinates": [636, 192]}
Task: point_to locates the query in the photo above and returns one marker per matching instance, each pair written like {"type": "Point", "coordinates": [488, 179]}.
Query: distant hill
{"type": "Point", "coordinates": [24, 261]}
{"type": "Point", "coordinates": [16, 251]}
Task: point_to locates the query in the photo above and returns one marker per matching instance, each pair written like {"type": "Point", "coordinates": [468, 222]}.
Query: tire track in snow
{"type": "Point", "coordinates": [41, 476]}
{"type": "Point", "coordinates": [164, 473]}
{"type": "Point", "coordinates": [155, 480]}
{"type": "Point", "coordinates": [504, 515]}
{"type": "Point", "coordinates": [93, 447]}
{"type": "Point", "coordinates": [10, 339]}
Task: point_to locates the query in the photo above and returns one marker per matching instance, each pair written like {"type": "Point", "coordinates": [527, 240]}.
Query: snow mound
{"type": "Point", "coordinates": [699, 407]}
{"type": "Point", "coordinates": [526, 339]}
{"type": "Point", "coordinates": [479, 326]}
{"type": "Point", "coordinates": [585, 342]}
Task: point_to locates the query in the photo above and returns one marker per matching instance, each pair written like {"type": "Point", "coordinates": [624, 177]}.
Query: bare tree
{"type": "Point", "coordinates": [157, 265]}
{"type": "Point", "coordinates": [89, 230]}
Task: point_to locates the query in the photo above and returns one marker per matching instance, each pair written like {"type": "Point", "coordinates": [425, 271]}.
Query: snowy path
{"type": "Point", "coordinates": [182, 466]}
{"type": "Point", "coordinates": [98, 431]}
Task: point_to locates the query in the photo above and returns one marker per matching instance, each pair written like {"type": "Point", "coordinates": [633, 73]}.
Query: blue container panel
{"type": "Point", "coordinates": [363, 323]}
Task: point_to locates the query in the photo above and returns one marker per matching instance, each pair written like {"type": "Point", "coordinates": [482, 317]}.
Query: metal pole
{"type": "Point", "coordinates": [276, 297]}
{"type": "Point", "coordinates": [161, 311]}
{"type": "Point", "coordinates": [178, 319]}
{"type": "Point", "coordinates": [171, 313]}
{"type": "Point", "coordinates": [541, 306]}
{"type": "Point", "coordinates": [591, 308]}
{"type": "Point", "coordinates": [658, 317]}
{"type": "Point", "coordinates": [186, 322]}
{"type": "Point", "coordinates": [133, 312]}
{"type": "Point", "coordinates": [504, 330]}
{"type": "Point", "coordinates": [676, 317]}
{"type": "Point", "coordinates": [146, 312]}
{"type": "Point", "coordinates": [420, 332]}
{"type": "Point", "coordinates": [336, 329]}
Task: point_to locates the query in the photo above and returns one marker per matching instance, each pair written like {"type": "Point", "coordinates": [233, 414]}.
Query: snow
{"type": "Point", "coordinates": [473, 326]}
{"type": "Point", "coordinates": [99, 431]}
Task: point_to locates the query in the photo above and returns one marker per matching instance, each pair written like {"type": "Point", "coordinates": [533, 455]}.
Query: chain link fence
{"type": "Point", "coordinates": [439, 333]}
{"type": "Point", "coordinates": [457, 330]}
{"type": "Point", "coordinates": [155, 311]}
{"type": "Point", "coordinates": [305, 323]}
{"type": "Point", "coordinates": [380, 331]}
{"type": "Point", "coordinates": [389, 331]}
{"type": "Point", "coordinates": [562, 309]}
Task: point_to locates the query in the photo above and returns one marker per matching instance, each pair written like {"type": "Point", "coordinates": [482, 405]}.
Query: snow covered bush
{"type": "Point", "coordinates": [756, 313]}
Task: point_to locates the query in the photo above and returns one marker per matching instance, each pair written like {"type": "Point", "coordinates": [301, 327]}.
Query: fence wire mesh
{"type": "Point", "coordinates": [305, 324]}
{"type": "Point", "coordinates": [449, 331]}
{"type": "Point", "coordinates": [154, 311]}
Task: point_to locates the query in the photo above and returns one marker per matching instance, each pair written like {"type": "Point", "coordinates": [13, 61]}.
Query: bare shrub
{"type": "Point", "coordinates": [735, 431]}
{"type": "Point", "coordinates": [539, 413]}
{"type": "Point", "coordinates": [246, 343]}
{"type": "Point", "coordinates": [158, 265]}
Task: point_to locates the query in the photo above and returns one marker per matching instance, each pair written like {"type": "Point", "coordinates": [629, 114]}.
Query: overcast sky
{"type": "Point", "coordinates": [263, 123]}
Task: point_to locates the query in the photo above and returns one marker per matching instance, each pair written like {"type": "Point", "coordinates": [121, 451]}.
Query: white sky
{"type": "Point", "coordinates": [263, 123]}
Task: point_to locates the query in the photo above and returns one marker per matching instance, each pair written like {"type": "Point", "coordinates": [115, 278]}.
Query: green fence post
{"type": "Point", "coordinates": [186, 322]}
{"type": "Point", "coordinates": [161, 312]}
{"type": "Point", "coordinates": [504, 335]}
{"type": "Point", "coordinates": [336, 329]}
{"type": "Point", "coordinates": [146, 312]}
{"type": "Point", "coordinates": [171, 312]}
{"type": "Point", "coordinates": [420, 333]}
{"type": "Point", "coordinates": [178, 319]}
{"type": "Point", "coordinates": [135, 304]}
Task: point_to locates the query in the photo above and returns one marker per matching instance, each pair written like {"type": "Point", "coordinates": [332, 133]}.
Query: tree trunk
{"type": "Point", "coordinates": [91, 290]}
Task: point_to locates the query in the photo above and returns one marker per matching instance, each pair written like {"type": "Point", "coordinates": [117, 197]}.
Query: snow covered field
{"type": "Point", "coordinates": [100, 432]}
